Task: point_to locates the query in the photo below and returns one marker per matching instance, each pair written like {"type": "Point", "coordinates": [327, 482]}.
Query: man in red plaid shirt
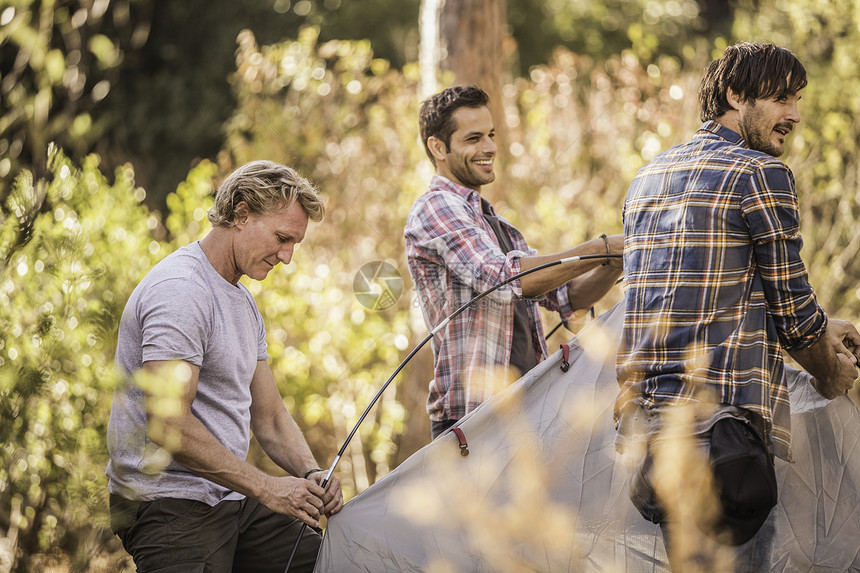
{"type": "Point", "coordinates": [458, 247]}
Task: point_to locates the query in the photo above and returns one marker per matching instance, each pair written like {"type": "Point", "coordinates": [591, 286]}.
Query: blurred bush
{"type": "Point", "coordinates": [73, 245]}
{"type": "Point", "coordinates": [59, 62]}
{"type": "Point", "coordinates": [72, 248]}
{"type": "Point", "coordinates": [145, 82]}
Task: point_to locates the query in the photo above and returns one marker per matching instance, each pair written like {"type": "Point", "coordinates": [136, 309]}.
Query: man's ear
{"type": "Point", "coordinates": [437, 148]}
{"type": "Point", "coordinates": [241, 213]}
{"type": "Point", "coordinates": [733, 98]}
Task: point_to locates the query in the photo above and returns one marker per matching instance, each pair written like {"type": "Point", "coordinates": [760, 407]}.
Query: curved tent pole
{"type": "Point", "coordinates": [421, 345]}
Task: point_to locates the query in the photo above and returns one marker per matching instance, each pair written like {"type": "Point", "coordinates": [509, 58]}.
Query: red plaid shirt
{"type": "Point", "coordinates": [454, 255]}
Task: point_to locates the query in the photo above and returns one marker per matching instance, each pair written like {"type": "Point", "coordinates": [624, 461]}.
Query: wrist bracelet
{"type": "Point", "coordinates": [608, 250]}
{"type": "Point", "coordinates": [309, 472]}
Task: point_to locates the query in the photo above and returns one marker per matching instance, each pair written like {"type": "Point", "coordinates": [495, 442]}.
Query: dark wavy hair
{"type": "Point", "coordinates": [753, 71]}
{"type": "Point", "coordinates": [436, 116]}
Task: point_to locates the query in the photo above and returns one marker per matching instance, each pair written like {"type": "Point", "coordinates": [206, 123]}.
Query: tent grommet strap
{"type": "Point", "coordinates": [461, 438]}
{"type": "Point", "coordinates": [565, 357]}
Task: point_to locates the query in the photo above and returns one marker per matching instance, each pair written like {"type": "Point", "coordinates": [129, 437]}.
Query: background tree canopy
{"type": "Point", "coordinates": [146, 81]}
{"type": "Point", "coordinates": [151, 103]}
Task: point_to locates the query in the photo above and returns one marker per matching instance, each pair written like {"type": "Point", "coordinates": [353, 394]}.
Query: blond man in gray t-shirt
{"type": "Point", "coordinates": [192, 343]}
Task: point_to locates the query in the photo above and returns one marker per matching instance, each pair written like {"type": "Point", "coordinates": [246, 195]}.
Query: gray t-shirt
{"type": "Point", "coordinates": [184, 310]}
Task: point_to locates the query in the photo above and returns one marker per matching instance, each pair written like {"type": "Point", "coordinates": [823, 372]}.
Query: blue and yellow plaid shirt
{"type": "Point", "coordinates": [714, 285]}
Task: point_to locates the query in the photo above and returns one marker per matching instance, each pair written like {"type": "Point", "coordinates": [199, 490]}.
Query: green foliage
{"type": "Point", "coordinates": [145, 82]}
{"type": "Point", "coordinates": [59, 61]}
{"type": "Point", "coordinates": [73, 248]}
{"type": "Point", "coordinates": [651, 29]}
{"type": "Point", "coordinates": [579, 131]}
{"type": "Point", "coordinates": [187, 207]}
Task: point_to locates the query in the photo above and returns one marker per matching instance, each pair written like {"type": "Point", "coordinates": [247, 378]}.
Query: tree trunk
{"type": "Point", "coordinates": [473, 34]}
{"type": "Point", "coordinates": [466, 37]}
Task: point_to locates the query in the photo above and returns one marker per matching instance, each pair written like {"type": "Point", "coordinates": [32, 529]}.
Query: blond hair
{"type": "Point", "coordinates": [266, 187]}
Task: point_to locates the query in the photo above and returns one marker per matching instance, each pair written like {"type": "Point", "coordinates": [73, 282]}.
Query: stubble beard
{"type": "Point", "coordinates": [758, 135]}
{"type": "Point", "coordinates": [473, 178]}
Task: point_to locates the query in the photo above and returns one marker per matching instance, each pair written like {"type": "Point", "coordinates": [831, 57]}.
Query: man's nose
{"type": "Point", "coordinates": [489, 146]}
{"type": "Point", "coordinates": [285, 255]}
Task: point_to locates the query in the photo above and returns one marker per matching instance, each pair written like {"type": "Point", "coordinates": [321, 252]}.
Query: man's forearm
{"type": "Point", "coordinates": [542, 282]}
{"type": "Point", "coordinates": [586, 290]}
{"type": "Point", "coordinates": [819, 359]}
{"type": "Point", "coordinates": [193, 446]}
{"type": "Point", "coordinates": [283, 441]}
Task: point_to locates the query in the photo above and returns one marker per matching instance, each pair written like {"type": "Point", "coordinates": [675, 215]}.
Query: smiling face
{"type": "Point", "coordinates": [469, 158]}
{"type": "Point", "coordinates": [263, 241]}
{"type": "Point", "coordinates": [765, 123]}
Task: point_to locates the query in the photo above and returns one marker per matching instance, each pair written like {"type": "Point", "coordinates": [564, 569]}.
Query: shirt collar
{"type": "Point", "coordinates": [448, 185]}
{"type": "Point", "coordinates": [724, 132]}
{"type": "Point", "coordinates": [487, 207]}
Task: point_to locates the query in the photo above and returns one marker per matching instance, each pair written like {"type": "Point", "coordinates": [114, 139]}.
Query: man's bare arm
{"type": "Point", "coordinates": [173, 426]}
{"type": "Point", "coordinates": [602, 276]}
{"type": "Point", "coordinates": [282, 439]}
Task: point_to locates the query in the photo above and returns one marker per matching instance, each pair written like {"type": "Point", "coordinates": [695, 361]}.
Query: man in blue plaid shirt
{"type": "Point", "coordinates": [715, 289]}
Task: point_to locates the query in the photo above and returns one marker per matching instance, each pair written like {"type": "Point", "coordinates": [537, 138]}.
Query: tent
{"type": "Point", "coordinates": [542, 488]}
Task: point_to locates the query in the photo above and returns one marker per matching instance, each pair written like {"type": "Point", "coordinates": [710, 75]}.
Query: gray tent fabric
{"type": "Point", "coordinates": [818, 515]}
{"type": "Point", "coordinates": [542, 488]}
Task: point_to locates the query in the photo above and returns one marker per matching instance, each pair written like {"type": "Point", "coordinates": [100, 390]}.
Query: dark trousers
{"type": "Point", "coordinates": [187, 536]}
{"type": "Point", "coordinates": [437, 428]}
